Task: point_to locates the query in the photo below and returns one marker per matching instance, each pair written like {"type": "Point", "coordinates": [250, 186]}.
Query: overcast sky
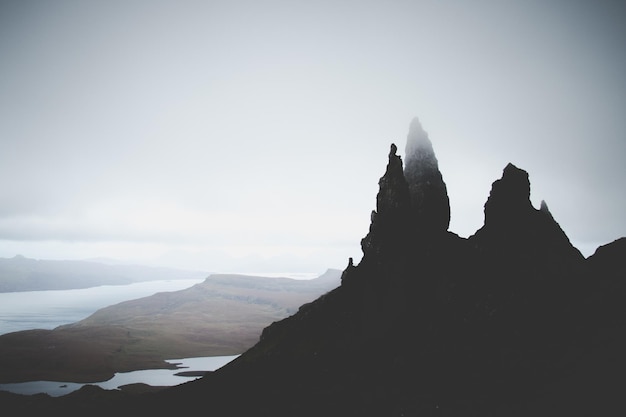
{"type": "Point", "coordinates": [250, 135]}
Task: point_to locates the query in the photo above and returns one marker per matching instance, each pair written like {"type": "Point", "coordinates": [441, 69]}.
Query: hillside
{"type": "Point", "coordinates": [224, 315]}
{"type": "Point", "coordinates": [512, 321]}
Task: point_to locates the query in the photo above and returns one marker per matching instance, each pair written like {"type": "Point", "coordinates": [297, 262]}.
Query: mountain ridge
{"type": "Point", "coordinates": [224, 315]}
{"type": "Point", "coordinates": [511, 321]}
{"type": "Point", "coordinates": [466, 326]}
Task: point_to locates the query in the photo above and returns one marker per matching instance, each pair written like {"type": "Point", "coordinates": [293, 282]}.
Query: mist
{"type": "Point", "coordinates": [234, 136]}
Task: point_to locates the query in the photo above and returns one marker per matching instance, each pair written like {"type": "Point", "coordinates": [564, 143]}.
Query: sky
{"type": "Point", "coordinates": [243, 136]}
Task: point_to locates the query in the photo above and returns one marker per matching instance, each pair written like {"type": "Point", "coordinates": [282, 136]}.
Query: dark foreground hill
{"type": "Point", "coordinates": [512, 321]}
{"type": "Point", "coordinates": [224, 315]}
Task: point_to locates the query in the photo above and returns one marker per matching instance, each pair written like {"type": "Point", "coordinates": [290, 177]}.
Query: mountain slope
{"type": "Point", "coordinates": [428, 323]}
{"type": "Point", "coordinates": [510, 322]}
{"type": "Point", "coordinates": [224, 315]}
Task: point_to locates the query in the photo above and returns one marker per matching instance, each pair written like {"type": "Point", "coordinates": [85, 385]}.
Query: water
{"type": "Point", "coordinates": [154, 377]}
{"type": "Point", "coordinates": [49, 309]}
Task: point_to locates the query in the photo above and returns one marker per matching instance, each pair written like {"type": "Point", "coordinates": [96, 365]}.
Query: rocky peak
{"type": "Point", "coordinates": [490, 325]}
{"type": "Point", "coordinates": [392, 198]}
{"type": "Point", "coordinates": [515, 229]}
{"type": "Point", "coordinates": [392, 208]}
{"type": "Point", "coordinates": [509, 197]}
{"type": "Point", "coordinates": [430, 206]}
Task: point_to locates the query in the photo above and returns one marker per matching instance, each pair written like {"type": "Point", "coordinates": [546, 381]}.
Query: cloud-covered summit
{"type": "Point", "coordinates": [429, 196]}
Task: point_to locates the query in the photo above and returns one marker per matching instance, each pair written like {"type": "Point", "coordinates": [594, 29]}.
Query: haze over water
{"type": "Point", "coordinates": [49, 309]}
{"type": "Point", "coordinates": [247, 135]}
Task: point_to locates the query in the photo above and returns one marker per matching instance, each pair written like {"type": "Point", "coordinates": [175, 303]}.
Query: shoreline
{"type": "Point", "coordinates": [181, 371]}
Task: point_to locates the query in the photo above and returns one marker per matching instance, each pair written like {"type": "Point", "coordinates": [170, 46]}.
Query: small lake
{"type": "Point", "coordinates": [48, 309]}
{"type": "Point", "coordinates": [154, 377]}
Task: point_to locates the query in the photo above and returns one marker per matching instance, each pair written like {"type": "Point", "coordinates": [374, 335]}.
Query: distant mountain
{"type": "Point", "coordinates": [512, 321]}
{"type": "Point", "coordinates": [224, 315]}
{"type": "Point", "coordinates": [25, 274]}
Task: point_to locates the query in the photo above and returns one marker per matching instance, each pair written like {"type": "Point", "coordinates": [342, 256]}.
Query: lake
{"type": "Point", "coordinates": [48, 309]}
{"type": "Point", "coordinates": [154, 377]}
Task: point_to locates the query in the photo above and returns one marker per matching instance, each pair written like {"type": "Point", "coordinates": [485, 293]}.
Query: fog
{"type": "Point", "coordinates": [27, 310]}
{"type": "Point", "coordinates": [250, 136]}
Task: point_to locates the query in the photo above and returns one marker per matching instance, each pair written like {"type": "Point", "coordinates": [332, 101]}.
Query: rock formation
{"type": "Point", "coordinates": [430, 205]}
{"type": "Point", "coordinates": [514, 229]}
{"type": "Point", "coordinates": [388, 228]}
{"type": "Point", "coordinates": [510, 322]}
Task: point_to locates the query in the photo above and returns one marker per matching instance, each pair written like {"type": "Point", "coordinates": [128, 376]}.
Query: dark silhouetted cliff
{"type": "Point", "coordinates": [503, 323]}
{"type": "Point", "coordinates": [512, 321]}
{"type": "Point", "coordinates": [429, 196]}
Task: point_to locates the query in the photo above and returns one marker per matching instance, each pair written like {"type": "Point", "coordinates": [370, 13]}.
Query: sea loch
{"type": "Point", "coordinates": [48, 309]}
{"type": "Point", "coordinates": [153, 377]}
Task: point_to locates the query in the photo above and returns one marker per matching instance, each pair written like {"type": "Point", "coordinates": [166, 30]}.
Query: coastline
{"type": "Point", "coordinates": [179, 371]}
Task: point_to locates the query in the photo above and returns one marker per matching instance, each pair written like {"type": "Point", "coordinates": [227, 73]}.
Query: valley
{"type": "Point", "coordinates": [224, 315]}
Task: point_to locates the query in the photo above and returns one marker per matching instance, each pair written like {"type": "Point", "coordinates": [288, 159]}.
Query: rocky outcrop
{"type": "Point", "coordinates": [461, 329]}
{"type": "Point", "coordinates": [430, 206]}
{"type": "Point", "coordinates": [431, 324]}
{"type": "Point", "coordinates": [533, 271]}
{"type": "Point", "coordinates": [388, 227]}
{"type": "Point", "coordinates": [515, 230]}
{"type": "Point", "coordinates": [509, 200]}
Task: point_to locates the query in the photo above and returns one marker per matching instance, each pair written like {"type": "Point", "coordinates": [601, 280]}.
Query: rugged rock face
{"type": "Point", "coordinates": [430, 205]}
{"type": "Point", "coordinates": [515, 231]}
{"type": "Point", "coordinates": [388, 231]}
{"type": "Point", "coordinates": [509, 199]}
{"type": "Point", "coordinates": [510, 322]}
{"type": "Point", "coordinates": [465, 327]}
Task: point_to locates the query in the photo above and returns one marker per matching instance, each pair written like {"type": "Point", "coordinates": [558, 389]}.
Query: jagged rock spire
{"type": "Point", "coordinates": [509, 197]}
{"type": "Point", "coordinates": [514, 227]}
{"type": "Point", "coordinates": [430, 206]}
{"type": "Point", "coordinates": [392, 196]}
{"type": "Point", "coordinates": [412, 201]}
{"type": "Point", "coordinates": [389, 219]}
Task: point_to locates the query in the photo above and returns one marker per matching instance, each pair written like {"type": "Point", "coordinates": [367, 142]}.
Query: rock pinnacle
{"type": "Point", "coordinates": [430, 206]}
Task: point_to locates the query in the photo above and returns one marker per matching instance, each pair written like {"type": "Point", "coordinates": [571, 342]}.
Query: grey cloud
{"type": "Point", "coordinates": [276, 108]}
